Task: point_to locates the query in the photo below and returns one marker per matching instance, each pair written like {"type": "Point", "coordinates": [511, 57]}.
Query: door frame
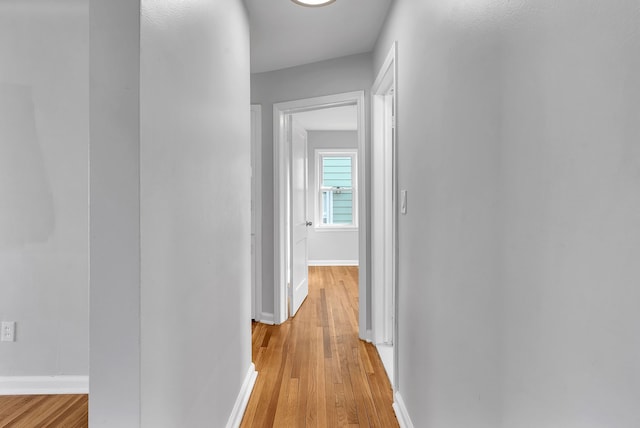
{"type": "Point", "coordinates": [282, 195]}
{"type": "Point", "coordinates": [256, 218]}
{"type": "Point", "coordinates": [385, 265]}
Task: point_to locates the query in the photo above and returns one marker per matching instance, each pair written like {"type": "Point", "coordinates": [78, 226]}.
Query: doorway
{"type": "Point", "coordinates": [284, 204]}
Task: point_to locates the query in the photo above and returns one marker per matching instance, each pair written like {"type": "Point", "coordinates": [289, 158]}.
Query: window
{"type": "Point", "coordinates": [336, 185]}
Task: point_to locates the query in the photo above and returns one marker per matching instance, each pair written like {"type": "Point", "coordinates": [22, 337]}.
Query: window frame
{"type": "Point", "coordinates": [319, 154]}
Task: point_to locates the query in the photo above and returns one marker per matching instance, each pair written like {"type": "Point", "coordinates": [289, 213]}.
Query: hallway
{"type": "Point", "coordinates": [314, 370]}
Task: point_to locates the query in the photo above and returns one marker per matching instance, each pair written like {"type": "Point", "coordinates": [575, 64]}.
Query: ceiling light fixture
{"type": "Point", "coordinates": [313, 3]}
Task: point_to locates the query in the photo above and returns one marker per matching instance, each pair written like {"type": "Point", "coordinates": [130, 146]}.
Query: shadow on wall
{"type": "Point", "coordinates": [26, 202]}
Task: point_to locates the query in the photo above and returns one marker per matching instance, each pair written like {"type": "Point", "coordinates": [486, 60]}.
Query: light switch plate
{"type": "Point", "coordinates": [403, 202]}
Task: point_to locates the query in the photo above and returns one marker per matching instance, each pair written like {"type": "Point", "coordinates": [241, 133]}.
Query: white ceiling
{"type": "Point", "coordinates": [284, 34]}
{"type": "Point", "coordinates": [329, 119]}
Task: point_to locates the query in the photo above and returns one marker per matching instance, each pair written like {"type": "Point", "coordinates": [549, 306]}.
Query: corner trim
{"type": "Point", "coordinates": [401, 412]}
{"type": "Point", "coordinates": [243, 398]}
{"type": "Point", "coordinates": [333, 263]}
{"type": "Point", "coordinates": [43, 385]}
{"type": "Point", "coordinates": [256, 218]}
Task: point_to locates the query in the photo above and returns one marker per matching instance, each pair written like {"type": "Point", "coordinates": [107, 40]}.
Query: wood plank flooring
{"type": "Point", "coordinates": [40, 411]}
{"type": "Point", "coordinates": [314, 371]}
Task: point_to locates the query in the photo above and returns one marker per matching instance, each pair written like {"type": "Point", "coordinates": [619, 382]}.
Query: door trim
{"type": "Point", "coordinates": [281, 187]}
{"type": "Point", "coordinates": [384, 266]}
{"type": "Point", "coordinates": [256, 197]}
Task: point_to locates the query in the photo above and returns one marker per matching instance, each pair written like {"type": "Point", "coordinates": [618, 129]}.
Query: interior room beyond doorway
{"type": "Point", "coordinates": [332, 184]}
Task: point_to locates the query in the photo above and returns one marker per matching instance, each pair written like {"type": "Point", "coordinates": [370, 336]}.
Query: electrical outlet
{"type": "Point", "coordinates": [8, 331]}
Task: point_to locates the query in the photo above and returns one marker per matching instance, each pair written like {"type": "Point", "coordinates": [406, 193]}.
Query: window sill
{"type": "Point", "coordinates": [323, 229]}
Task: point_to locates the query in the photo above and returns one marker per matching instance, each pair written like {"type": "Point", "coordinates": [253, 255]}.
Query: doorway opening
{"type": "Point", "coordinates": [384, 222]}
{"type": "Point", "coordinates": [293, 219]}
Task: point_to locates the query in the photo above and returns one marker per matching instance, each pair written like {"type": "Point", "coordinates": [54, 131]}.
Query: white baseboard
{"type": "Point", "coordinates": [43, 385]}
{"type": "Point", "coordinates": [243, 398]}
{"type": "Point", "coordinates": [267, 318]}
{"type": "Point", "coordinates": [333, 262]}
{"type": "Point", "coordinates": [401, 412]}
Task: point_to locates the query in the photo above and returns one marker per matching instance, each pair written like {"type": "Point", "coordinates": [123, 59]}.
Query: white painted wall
{"type": "Point", "coordinates": [195, 214]}
{"type": "Point", "coordinates": [518, 143]}
{"type": "Point", "coordinates": [571, 180]}
{"type": "Point", "coordinates": [335, 76]}
{"type": "Point", "coordinates": [193, 288]}
{"type": "Point", "coordinates": [43, 187]}
{"type": "Point", "coordinates": [448, 115]}
{"type": "Point", "coordinates": [114, 215]}
{"type": "Point", "coordinates": [329, 246]}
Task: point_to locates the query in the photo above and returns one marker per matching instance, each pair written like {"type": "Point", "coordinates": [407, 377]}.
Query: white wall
{"type": "Point", "coordinates": [518, 143]}
{"type": "Point", "coordinates": [43, 187]}
{"type": "Point", "coordinates": [448, 158]}
{"type": "Point", "coordinates": [352, 73]}
{"type": "Point", "coordinates": [571, 180]}
{"type": "Point", "coordinates": [193, 288]}
{"type": "Point", "coordinates": [195, 215]}
{"type": "Point", "coordinates": [114, 216]}
{"type": "Point", "coordinates": [326, 246]}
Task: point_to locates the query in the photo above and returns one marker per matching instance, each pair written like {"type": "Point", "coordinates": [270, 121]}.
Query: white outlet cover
{"type": "Point", "coordinates": [8, 331]}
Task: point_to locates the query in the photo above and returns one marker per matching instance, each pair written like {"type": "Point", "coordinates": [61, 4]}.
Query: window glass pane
{"type": "Point", "coordinates": [342, 207]}
{"type": "Point", "coordinates": [336, 171]}
{"type": "Point", "coordinates": [337, 207]}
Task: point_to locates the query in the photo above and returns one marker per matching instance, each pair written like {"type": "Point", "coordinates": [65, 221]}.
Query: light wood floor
{"type": "Point", "coordinates": [313, 370]}
{"type": "Point", "coordinates": [36, 411]}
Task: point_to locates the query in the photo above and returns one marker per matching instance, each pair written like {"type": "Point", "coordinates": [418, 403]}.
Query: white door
{"type": "Point", "coordinates": [299, 253]}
